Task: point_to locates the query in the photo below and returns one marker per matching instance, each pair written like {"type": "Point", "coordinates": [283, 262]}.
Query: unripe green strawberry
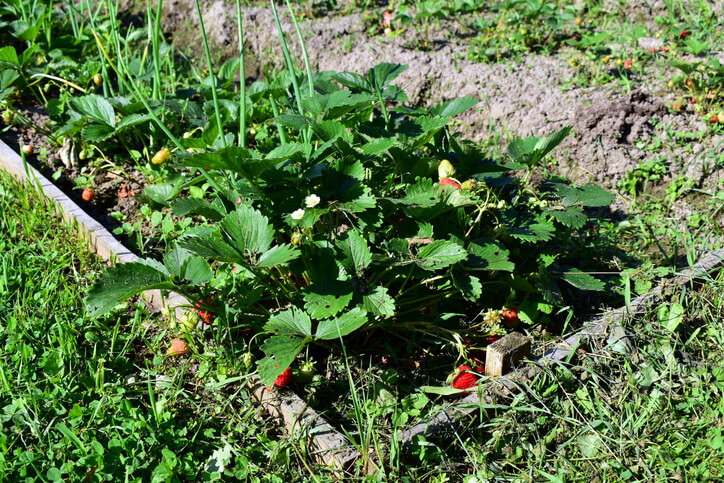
{"type": "Point", "coordinates": [189, 320]}
{"type": "Point", "coordinates": [296, 239]}
{"type": "Point", "coordinates": [469, 184]}
{"type": "Point", "coordinates": [8, 116]}
{"type": "Point", "coordinates": [248, 360]}
{"type": "Point", "coordinates": [306, 372]}
{"type": "Point", "coordinates": [445, 169]}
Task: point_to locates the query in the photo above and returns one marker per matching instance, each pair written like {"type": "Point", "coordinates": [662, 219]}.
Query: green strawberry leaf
{"type": "Point", "coordinates": [209, 245]}
{"type": "Point", "coordinates": [533, 230]}
{"type": "Point", "coordinates": [357, 255]}
{"type": "Point", "coordinates": [440, 254]}
{"type": "Point", "coordinates": [277, 255]}
{"type": "Point", "coordinates": [98, 132]}
{"type": "Point", "coordinates": [572, 217]}
{"type": "Point", "coordinates": [488, 254]}
{"type": "Point", "coordinates": [327, 297]}
{"type": "Point", "coordinates": [247, 230]}
{"type": "Point", "coordinates": [469, 286]}
{"type": "Point", "coordinates": [96, 108]}
{"type": "Point", "coordinates": [587, 195]}
{"type": "Point", "coordinates": [379, 303]}
{"type": "Point", "coordinates": [343, 325]}
{"type": "Point", "coordinates": [531, 150]}
{"type": "Point", "coordinates": [454, 107]}
{"type": "Point", "coordinates": [291, 322]}
{"type": "Point", "coordinates": [123, 281]}
{"type": "Point", "coordinates": [582, 280]}
{"type": "Point", "coordinates": [280, 352]}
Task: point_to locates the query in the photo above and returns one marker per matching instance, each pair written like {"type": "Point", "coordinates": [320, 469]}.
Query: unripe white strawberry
{"type": "Point", "coordinates": [445, 169]}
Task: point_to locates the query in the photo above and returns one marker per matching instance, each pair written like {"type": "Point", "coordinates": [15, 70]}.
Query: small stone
{"type": "Point", "coordinates": [698, 148]}
{"type": "Point", "coordinates": [647, 43]}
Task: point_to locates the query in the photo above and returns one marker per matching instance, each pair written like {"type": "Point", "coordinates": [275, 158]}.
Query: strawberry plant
{"type": "Point", "coordinates": [298, 240]}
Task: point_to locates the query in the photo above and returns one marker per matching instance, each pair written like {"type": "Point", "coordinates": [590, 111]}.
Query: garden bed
{"type": "Point", "coordinates": [360, 220]}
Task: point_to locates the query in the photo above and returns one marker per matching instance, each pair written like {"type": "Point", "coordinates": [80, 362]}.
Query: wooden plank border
{"type": "Point", "coordinates": [596, 328]}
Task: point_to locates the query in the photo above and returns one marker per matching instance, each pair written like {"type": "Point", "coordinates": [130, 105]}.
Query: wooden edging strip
{"type": "Point", "coordinates": [329, 447]}
{"type": "Point", "coordinates": [448, 418]}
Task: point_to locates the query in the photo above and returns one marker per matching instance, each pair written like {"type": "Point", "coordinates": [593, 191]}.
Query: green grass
{"type": "Point", "coordinates": [97, 399]}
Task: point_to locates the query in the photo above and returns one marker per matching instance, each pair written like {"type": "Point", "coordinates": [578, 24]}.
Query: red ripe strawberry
{"type": "Point", "coordinates": [285, 378]}
{"type": "Point", "coordinates": [206, 315]}
{"type": "Point", "coordinates": [714, 119]}
{"type": "Point", "coordinates": [465, 379]}
{"type": "Point", "coordinates": [510, 317]}
{"type": "Point", "coordinates": [493, 338]}
{"type": "Point", "coordinates": [88, 194]}
{"type": "Point", "coordinates": [684, 34]}
{"type": "Point", "coordinates": [627, 64]}
{"type": "Point", "coordinates": [451, 182]}
{"type": "Point", "coordinates": [178, 347]}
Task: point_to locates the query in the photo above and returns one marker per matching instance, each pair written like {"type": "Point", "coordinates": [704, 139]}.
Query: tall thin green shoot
{"type": "Point", "coordinates": [305, 55]}
{"type": "Point", "coordinates": [288, 59]}
{"type": "Point", "coordinates": [156, 42]}
{"type": "Point", "coordinates": [212, 77]}
{"type": "Point", "coordinates": [242, 80]}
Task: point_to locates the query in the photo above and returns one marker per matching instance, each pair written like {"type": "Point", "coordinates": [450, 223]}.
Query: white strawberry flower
{"type": "Point", "coordinates": [298, 214]}
{"type": "Point", "coordinates": [311, 201]}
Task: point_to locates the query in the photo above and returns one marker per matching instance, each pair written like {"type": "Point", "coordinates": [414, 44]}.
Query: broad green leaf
{"type": "Point", "coordinates": [587, 195]}
{"type": "Point", "coordinates": [488, 254]}
{"type": "Point", "coordinates": [582, 280]}
{"type": "Point", "coordinates": [9, 55]}
{"type": "Point", "coordinates": [343, 325]}
{"type": "Point", "coordinates": [96, 108]}
{"type": "Point", "coordinates": [379, 303]}
{"type": "Point", "coordinates": [232, 158]}
{"type": "Point", "coordinates": [353, 81]}
{"type": "Point", "coordinates": [440, 254]}
{"type": "Point", "coordinates": [532, 231]}
{"type": "Point", "coordinates": [356, 252]}
{"type": "Point", "coordinates": [185, 206]}
{"type": "Point", "coordinates": [133, 120]}
{"type": "Point", "coordinates": [280, 352]}
{"type": "Point", "coordinates": [327, 297]}
{"type": "Point", "coordinates": [422, 194]}
{"type": "Point", "coordinates": [531, 150]}
{"type": "Point", "coordinates": [357, 199]}
{"type": "Point", "coordinates": [378, 145]}
{"type": "Point", "coordinates": [293, 121]}
{"type": "Point", "coordinates": [7, 77]}
{"type": "Point", "coordinates": [174, 261]}
{"type": "Point", "coordinates": [469, 286]}
{"type": "Point", "coordinates": [197, 270]}
{"type": "Point", "coordinates": [671, 317]}
{"type": "Point", "coordinates": [210, 246]}
{"type": "Point", "coordinates": [384, 73]}
{"type": "Point", "coordinates": [98, 132]}
{"type": "Point", "coordinates": [186, 266]}
{"type": "Point", "coordinates": [162, 193]}
{"type": "Point", "coordinates": [293, 321]}
{"type": "Point", "coordinates": [454, 107]}
{"type": "Point", "coordinates": [277, 255]}
{"type": "Point", "coordinates": [589, 443]}
{"type": "Point", "coordinates": [332, 129]}
{"type": "Point", "coordinates": [121, 282]}
{"type": "Point", "coordinates": [572, 217]}
{"type": "Point", "coordinates": [247, 230]}
{"type": "Point", "coordinates": [336, 104]}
